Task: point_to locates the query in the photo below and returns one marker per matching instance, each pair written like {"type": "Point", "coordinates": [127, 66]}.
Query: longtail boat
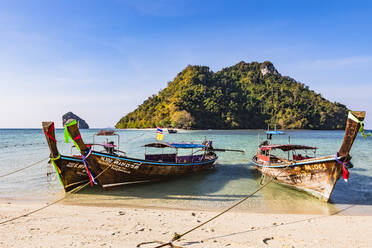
{"type": "Point", "coordinates": [112, 169]}
{"type": "Point", "coordinates": [314, 175]}
{"type": "Point", "coordinates": [70, 170]}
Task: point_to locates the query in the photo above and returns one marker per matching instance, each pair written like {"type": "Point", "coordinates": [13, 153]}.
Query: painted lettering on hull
{"type": "Point", "coordinates": [118, 165]}
{"type": "Point", "coordinates": [75, 165]}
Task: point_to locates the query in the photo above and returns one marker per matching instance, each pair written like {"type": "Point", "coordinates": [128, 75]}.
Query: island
{"type": "Point", "coordinates": [69, 115]}
{"type": "Point", "coordinates": [244, 96]}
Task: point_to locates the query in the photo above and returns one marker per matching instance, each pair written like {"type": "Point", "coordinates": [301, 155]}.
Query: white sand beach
{"type": "Point", "coordinates": [63, 225]}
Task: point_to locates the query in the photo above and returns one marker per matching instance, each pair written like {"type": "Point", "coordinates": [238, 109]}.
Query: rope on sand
{"type": "Point", "coordinates": [177, 236]}
{"type": "Point", "coordinates": [28, 166]}
{"type": "Point", "coordinates": [74, 191]}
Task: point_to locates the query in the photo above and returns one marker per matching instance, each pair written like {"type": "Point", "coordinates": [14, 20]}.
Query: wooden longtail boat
{"type": "Point", "coordinates": [115, 170]}
{"type": "Point", "coordinates": [314, 175]}
{"type": "Point", "coordinates": [70, 170]}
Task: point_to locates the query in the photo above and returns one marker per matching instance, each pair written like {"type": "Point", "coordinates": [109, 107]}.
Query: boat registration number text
{"type": "Point", "coordinates": [118, 165]}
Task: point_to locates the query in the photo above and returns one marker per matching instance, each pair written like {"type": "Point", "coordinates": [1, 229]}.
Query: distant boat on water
{"type": "Point", "coordinates": [172, 130]}
{"type": "Point", "coordinates": [306, 172]}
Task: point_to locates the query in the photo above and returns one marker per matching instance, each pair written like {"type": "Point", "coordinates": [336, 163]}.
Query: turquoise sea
{"type": "Point", "coordinates": [231, 179]}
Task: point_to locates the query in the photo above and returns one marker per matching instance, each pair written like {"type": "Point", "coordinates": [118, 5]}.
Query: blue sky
{"type": "Point", "coordinates": [101, 59]}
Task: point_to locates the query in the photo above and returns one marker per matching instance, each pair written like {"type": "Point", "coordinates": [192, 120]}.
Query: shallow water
{"type": "Point", "coordinates": [215, 189]}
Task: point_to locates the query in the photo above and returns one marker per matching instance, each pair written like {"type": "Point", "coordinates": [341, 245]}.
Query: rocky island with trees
{"type": "Point", "coordinates": [243, 96]}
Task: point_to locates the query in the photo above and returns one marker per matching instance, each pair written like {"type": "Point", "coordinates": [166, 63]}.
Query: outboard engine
{"type": "Point", "coordinates": [208, 147]}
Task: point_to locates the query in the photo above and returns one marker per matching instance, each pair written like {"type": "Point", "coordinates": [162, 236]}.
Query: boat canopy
{"type": "Point", "coordinates": [275, 132]}
{"type": "Point", "coordinates": [174, 145]}
{"type": "Point", "coordinates": [287, 147]}
{"type": "Point", "coordinates": [106, 133]}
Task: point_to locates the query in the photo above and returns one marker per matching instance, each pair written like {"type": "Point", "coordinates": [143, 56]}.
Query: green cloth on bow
{"type": "Point", "coordinates": [68, 135]}
{"type": "Point", "coordinates": [361, 129]}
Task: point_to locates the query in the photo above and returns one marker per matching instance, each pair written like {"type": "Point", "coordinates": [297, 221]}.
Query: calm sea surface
{"type": "Point", "coordinates": [232, 179]}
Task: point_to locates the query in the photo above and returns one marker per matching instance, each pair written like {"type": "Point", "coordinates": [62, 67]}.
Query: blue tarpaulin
{"type": "Point", "coordinates": [275, 132]}
{"type": "Point", "coordinates": [174, 145]}
{"type": "Point", "coordinates": [186, 145]}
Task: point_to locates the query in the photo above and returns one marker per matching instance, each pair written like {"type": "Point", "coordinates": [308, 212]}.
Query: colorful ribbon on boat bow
{"type": "Point", "coordinates": [58, 170]}
{"type": "Point", "coordinates": [68, 136]}
{"type": "Point", "coordinates": [87, 152]}
{"type": "Point", "coordinates": [345, 171]}
{"type": "Point", "coordinates": [48, 133]}
{"type": "Point", "coordinates": [361, 129]}
{"type": "Point", "coordinates": [90, 174]}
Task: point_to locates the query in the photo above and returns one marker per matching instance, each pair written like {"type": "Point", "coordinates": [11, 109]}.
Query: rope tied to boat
{"type": "Point", "coordinates": [361, 129]}
{"type": "Point", "coordinates": [88, 152]}
{"type": "Point", "coordinates": [177, 236]}
{"type": "Point", "coordinates": [74, 191]}
{"type": "Point", "coordinates": [26, 167]}
{"type": "Point", "coordinates": [345, 168]}
{"type": "Point", "coordinates": [58, 170]}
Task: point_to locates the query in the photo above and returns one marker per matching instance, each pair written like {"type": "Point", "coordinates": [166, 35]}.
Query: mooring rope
{"type": "Point", "coordinates": [74, 191]}
{"type": "Point", "coordinates": [283, 224]}
{"type": "Point", "coordinates": [29, 144]}
{"type": "Point", "coordinates": [178, 236]}
{"type": "Point", "coordinates": [28, 166]}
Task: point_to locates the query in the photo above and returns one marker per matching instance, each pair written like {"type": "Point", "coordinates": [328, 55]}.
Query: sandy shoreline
{"type": "Point", "coordinates": [63, 225]}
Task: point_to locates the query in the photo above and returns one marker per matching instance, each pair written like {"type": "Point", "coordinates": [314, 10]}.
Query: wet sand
{"type": "Point", "coordinates": [64, 225]}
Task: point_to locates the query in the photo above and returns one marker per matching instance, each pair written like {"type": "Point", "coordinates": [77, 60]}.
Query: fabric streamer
{"type": "Point", "coordinates": [47, 133]}
{"type": "Point", "coordinates": [56, 167]}
{"type": "Point", "coordinates": [87, 152]}
{"type": "Point", "coordinates": [345, 171]}
{"type": "Point", "coordinates": [361, 129]}
{"type": "Point", "coordinates": [90, 174]}
{"type": "Point", "coordinates": [67, 135]}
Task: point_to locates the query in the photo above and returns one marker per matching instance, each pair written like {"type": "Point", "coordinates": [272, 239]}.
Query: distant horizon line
{"type": "Point", "coordinates": [152, 128]}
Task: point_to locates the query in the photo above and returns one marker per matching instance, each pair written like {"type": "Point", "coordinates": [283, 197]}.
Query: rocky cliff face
{"type": "Point", "coordinates": [267, 67]}
{"type": "Point", "coordinates": [81, 123]}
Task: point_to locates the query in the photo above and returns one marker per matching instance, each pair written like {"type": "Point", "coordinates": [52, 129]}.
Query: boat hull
{"type": "Point", "coordinates": [71, 171]}
{"type": "Point", "coordinates": [316, 177]}
{"type": "Point", "coordinates": [116, 171]}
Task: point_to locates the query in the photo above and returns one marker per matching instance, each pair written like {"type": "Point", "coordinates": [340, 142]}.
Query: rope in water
{"type": "Point", "coordinates": [28, 144]}
{"type": "Point", "coordinates": [74, 191]}
{"type": "Point", "coordinates": [28, 166]}
{"type": "Point", "coordinates": [178, 236]}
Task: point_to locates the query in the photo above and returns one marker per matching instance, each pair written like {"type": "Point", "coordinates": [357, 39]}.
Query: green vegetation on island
{"type": "Point", "coordinates": [244, 96]}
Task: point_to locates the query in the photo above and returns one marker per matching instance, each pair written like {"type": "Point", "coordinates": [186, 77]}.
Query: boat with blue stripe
{"type": "Point", "coordinates": [112, 167]}
{"type": "Point", "coordinates": [300, 168]}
